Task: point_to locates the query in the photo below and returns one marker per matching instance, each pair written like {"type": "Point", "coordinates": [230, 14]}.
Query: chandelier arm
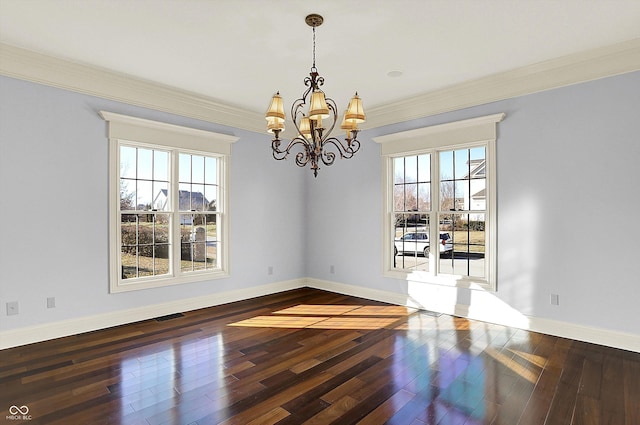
{"type": "Point", "coordinates": [328, 157]}
{"type": "Point", "coordinates": [282, 154]}
{"type": "Point", "coordinates": [332, 107]}
{"type": "Point", "coordinates": [296, 110]}
{"type": "Point", "coordinates": [353, 148]}
{"type": "Point", "coordinates": [302, 158]}
{"type": "Point", "coordinates": [346, 152]}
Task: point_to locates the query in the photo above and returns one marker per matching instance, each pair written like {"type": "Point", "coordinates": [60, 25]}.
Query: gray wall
{"type": "Point", "coordinates": [54, 208]}
{"type": "Point", "coordinates": [568, 196]}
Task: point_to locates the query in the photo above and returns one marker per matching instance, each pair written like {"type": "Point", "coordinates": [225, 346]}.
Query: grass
{"type": "Point", "coordinates": [146, 264]}
{"type": "Point", "coordinates": [475, 239]}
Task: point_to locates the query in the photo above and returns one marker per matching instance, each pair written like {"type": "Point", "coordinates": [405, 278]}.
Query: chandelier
{"type": "Point", "coordinates": [315, 123]}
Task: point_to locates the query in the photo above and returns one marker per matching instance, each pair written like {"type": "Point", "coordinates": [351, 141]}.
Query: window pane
{"type": "Point", "coordinates": [411, 169]}
{"type": "Point", "coordinates": [184, 168]}
{"type": "Point", "coordinates": [424, 196]}
{"type": "Point", "coordinates": [398, 198]}
{"type": "Point", "coordinates": [161, 199]}
{"type": "Point", "coordinates": [161, 229]}
{"type": "Point", "coordinates": [478, 153]}
{"type": "Point", "coordinates": [197, 169]}
{"type": "Point", "coordinates": [161, 264]}
{"type": "Point", "coordinates": [447, 196]}
{"type": "Point", "coordinates": [411, 197]}
{"type": "Point", "coordinates": [145, 195]}
{"type": "Point", "coordinates": [127, 194]}
{"type": "Point", "coordinates": [211, 197]}
{"type": "Point", "coordinates": [478, 199]}
{"type": "Point", "coordinates": [184, 202]}
{"type": "Point", "coordinates": [461, 164]}
{"type": "Point", "coordinates": [398, 170]}
{"type": "Point", "coordinates": [197, 197]}
{"type": "Point", "coordinates": [199, 241]}
{"type": "Point", "coordinates": [467, 232]}
{"type": "Point", "coordinates": [127, 162]}
{"type": "Point", "coordinates": [411, 242]}
{"type": "Point", "coordinates": [129, 262]}
{"type": "Point", "coordinates": [461, 195]}
{"type": "Point", "coordinates": [424, 168]}
{"type": "Point", "coordinates": [145, 164]}
{"type": "Point", "coordinates": [446, 165]}
{"type": "Point", "coordinates": [161, 165]}
{"type": "Point", "coordinates": [211, 170]}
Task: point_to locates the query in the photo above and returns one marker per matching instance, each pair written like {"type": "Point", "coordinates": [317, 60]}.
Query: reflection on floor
{"type": "Point", "coordinates": [313, 357]}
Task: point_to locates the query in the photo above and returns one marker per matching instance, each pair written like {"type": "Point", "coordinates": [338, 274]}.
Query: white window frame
{"type": "Point", "coordinates": [132, 131]}
{"type": "Point", "coordinates": [481, 131]}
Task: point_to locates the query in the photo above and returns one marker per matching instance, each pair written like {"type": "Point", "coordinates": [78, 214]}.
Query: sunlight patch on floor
{"type": "Point", "coordinates": [512, 365]}
{"type": "Point", "coordinates": [322, 316]}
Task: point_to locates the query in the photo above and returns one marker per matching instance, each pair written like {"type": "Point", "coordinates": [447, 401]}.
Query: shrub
{"type": "Point", "coordinates": [142, 238]}
{"type": "Point", "coordinates": [145, 244]}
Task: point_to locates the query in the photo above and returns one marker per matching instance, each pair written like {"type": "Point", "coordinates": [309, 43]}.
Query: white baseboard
{"type": "Point", "coordinates": [622, 340]}
{"type": "Point", "coordinates": [37, 333]}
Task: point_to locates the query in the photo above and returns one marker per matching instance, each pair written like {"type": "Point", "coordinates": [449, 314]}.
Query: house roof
{"type": "Point", "coordinates": [480, 194]}
{"type": "Point", "coordinates": [186, 199]}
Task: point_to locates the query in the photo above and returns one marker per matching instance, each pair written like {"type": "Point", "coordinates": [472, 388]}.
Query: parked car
{"type": "Point", "coordinates": [418, 242]}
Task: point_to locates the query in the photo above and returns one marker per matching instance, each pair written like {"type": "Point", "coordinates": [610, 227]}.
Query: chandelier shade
{"type": "Point", "coordinates": [318, 107]}
{"type": "Point", "coordinates": [276, 110]}
{"type": "Point", "coordinates": [355, 111]}
{"type": "Point", "coordinates": [307, 113]}
{"type": "Point", "coordinates": [305, 127]}
{"type": "Point", "coordinates": [274, 124]}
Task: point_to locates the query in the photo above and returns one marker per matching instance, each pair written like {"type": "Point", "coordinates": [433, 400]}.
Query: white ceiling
{"type": "Point", "coordinates": [239, 52]}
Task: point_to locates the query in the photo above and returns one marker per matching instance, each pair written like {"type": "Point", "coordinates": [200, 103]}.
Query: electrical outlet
{"type": "Point", "coordinates": [51, 302]}
{"type": "Point", "coordinates": [555, 299]}
{"type": "Point", "coordinates": [12, 308]}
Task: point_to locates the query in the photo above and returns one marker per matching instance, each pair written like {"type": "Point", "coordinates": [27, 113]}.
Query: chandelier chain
{"type": "Point", "coordinates": [314, 49]}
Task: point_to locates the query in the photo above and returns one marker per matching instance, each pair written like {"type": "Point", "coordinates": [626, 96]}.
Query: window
{"type": "Point", "coordinates": [439, 186]}
{"type": "Point", "coordinates": [168, 203]}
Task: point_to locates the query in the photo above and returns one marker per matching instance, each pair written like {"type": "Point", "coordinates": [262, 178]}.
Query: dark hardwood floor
{"type": "Point", "coordinates": [313, 357]}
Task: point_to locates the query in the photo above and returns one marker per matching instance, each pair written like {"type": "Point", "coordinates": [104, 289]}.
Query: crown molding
{"type": "Point", "coordinates": [572, 69]}
{"type": "Point", "coordinates": [43, 69]}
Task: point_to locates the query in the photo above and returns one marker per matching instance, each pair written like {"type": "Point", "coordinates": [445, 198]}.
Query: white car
{"type": "Point", "coordinates": [418, 243]}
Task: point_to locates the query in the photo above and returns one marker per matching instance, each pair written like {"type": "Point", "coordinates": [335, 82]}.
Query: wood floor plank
{"type": "Point", "coordinates": [311, 356]}
{"type": "Point", "coordinates": [388, 408]}
{"type": "Point", "coordinates": [631, 391]}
